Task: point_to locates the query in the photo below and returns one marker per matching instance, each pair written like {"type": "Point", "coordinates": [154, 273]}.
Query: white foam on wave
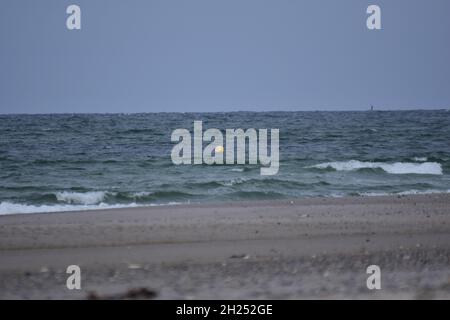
{"type": "Point", "coordinates": [141, 194]}
{"type": "Point", "coordinates": [86, 198]}
{"type": "Point", "coordinates": [432, 168]}
{"type": "Point", "coordinates": [19, 208]}
{"type": "Point", "coordinates": [403, 193]}
{"type": "Point", "coordinates": [409, 192]}
{"type": "Point", "coordinates": [14, 208]}
{"type": "Point", "coordinates": [233, 182]}
{"type": "Point", "coordinates": [420, 159]}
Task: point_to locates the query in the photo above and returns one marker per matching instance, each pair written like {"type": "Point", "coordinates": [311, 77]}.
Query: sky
{"type": "Point", "coordinates": [223, 55]}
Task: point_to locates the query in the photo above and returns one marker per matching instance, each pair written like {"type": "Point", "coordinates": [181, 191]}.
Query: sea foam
{"type": "Point", "coordinates": [14, 208]}
{"type": "Point", "coordinates": [403, 193]}
{"type": "Point", "coordinates": [20, 208]}
{"type": "Point", "coordinates": [93, 197]}
{"type": "Point", "coordinates": [432, 168]}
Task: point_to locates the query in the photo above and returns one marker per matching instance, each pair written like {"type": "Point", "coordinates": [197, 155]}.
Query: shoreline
{"type": "Point", "coordinates": [288, 249]}
{"type": "Point", "coordinates": [299, 200]}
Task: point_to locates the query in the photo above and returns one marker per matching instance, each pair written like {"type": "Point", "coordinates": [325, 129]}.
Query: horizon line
{"type": "Point", "coordinates": [232, 111]}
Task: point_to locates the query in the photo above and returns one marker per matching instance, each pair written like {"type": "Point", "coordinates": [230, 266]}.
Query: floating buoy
{"type": "Point", "coordinates": [219, 149]}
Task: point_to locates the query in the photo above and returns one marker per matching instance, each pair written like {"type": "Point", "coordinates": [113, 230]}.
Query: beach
{"type": "Point", "coordinates": [282, 249]}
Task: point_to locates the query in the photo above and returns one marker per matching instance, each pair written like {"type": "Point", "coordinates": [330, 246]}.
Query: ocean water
{"type": "Point", "coordinates": [89, 161]}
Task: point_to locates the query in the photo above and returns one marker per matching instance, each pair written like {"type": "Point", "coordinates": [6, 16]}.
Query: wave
{"type": "Point", "coordinates": [146, 196]}
{"type": "Point", "coordinates": [7, 207]}
{"type": "Point", "coordinates": [242, 169]}
{"type": "Point", "coordinates": [402, 193]}
{"type": "Point", "coordinates": [432, 168]}
{"type": "Point", "coordinates": [411, 192]}
{"type": "Point", "coordinates": [233, 182]}
{"type": "Point", "coordinates": [87, 198]}
{"type": "Point", "coordinates": [15, 208]}
{"type": "Point", "coordinates": [98, 197]}
{"type": "Point", "coordinates": [420, 159]}
{"type": "Point", "coordinates": [20, 208]}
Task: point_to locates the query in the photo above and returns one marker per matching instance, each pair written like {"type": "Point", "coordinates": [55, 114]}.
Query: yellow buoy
{"type": "Point", "coordinates": [219, 149]}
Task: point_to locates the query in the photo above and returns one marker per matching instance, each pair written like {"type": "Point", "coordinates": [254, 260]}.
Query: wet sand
{"type": "Point", "coordinates": [287, 249]}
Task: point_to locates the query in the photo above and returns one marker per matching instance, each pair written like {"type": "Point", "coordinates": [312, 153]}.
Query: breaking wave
{"type": "Point", "coordinates": [14, 208]}
{"type": "Point", "coordinates": [432, 168]}
{"type": "Point", "coordinates": [402, 193]}
{"type": "Point", "coordinates": [87, 198]}
{"type": "Point", "coordinates": [19, 208]}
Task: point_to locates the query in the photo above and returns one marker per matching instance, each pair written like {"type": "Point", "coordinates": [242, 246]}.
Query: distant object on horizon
{"type": "Point", "coordinates": [371, 108]}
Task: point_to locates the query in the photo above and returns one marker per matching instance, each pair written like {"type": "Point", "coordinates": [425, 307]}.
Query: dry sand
{"type": "Point", "coordinates": [290, 249]}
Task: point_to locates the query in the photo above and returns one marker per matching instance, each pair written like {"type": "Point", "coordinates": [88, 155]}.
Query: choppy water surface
{"type": "Point", "coordinates": [70, 162]}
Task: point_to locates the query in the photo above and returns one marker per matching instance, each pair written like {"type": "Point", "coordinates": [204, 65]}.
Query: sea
{"type": "Point", "coordinates": [69, 162]}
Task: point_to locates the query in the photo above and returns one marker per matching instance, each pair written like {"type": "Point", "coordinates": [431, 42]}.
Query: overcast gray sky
{"type": "Point", "coordinates": [223, 55]}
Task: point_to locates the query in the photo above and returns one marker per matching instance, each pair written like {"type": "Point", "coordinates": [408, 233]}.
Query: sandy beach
{"type": "Point", "coordinates": [286, 249]}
